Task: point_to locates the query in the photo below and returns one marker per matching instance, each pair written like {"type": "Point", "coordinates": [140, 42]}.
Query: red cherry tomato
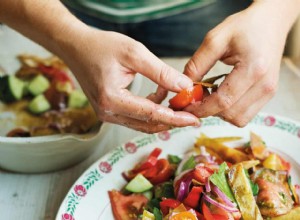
{"type": "Point", "coordinates": [186, 97]}
{"type": "Point", "coordinates": [166, 204]}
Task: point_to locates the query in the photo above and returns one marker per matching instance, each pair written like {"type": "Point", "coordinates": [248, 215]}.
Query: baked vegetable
{"type": "Point", "coordinates": [242, 191]}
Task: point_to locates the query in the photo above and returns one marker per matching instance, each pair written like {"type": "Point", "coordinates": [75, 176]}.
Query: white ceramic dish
{"type": "Point", "coordinates": [88, 197]}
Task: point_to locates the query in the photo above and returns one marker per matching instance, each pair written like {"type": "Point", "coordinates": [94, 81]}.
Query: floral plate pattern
{"type": "Point", "coordinates": [88, 197]}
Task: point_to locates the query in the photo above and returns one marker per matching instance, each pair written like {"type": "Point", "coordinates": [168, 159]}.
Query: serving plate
{"type": "Point", "coordinates": [88, 197]}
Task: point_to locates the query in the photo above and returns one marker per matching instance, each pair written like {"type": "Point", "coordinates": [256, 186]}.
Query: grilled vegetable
{"type": "Point", "coordinates": [292, 215]}
{"type": "Point", "coordinates": [226, 153]}
{"type": "Point", "coordinates": [243, 193]}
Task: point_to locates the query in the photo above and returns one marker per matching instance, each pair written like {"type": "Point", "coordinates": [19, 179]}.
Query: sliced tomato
{"type": "Point", "coordinates": [184, 216]}
{"type": "Point", "coordinates": [55, 74]}
{"type": "Point", "coordinates": [160, 172]}
{"type": "Point", "coordinates": [219, 217]}
{"type": "Point", "coordinates": [206, 212]}
{"type": "Point", "coordinates": [150, 161]}
{"type": "Point", "coordinates": [166, 204]}
{"type": "Point", "coordinates": [126, 207]}
{"type": "Point", "coordinates": [164, 172]}
{"type": "Point", "coordinates": [193, 197]}
{"type": "Point", "coordinates": [186, 97]}
{"type": "Point", "coordinates": [201, 173]}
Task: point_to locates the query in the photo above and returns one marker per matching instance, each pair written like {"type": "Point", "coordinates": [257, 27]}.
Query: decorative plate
{"type": "Point", "coordinates": [88, 197]}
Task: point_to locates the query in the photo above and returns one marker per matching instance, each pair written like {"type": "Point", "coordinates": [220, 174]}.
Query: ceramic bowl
{"type": "Point", "coordinates": [45, 153]}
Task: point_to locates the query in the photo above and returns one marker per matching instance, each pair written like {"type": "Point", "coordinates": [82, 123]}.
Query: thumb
{"type": "Point", "coordinates": [210, 51]}
{"type": "Point", "coordinates": [147, 64]}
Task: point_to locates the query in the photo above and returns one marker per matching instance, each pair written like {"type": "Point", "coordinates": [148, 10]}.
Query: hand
{"type": "Point", "coordinates": [252, 41]}
{"type": "Point", "coordinates": [105, 63]}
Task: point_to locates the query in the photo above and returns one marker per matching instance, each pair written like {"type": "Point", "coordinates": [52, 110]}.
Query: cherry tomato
{"type": "Point", "coordinates": [160, 172]}
{"type": "Point", "coordinates": [186, 97]}
{"type": "Point", "coordinates": [193, 197]}
{"type": "Point", "coordinates": [201, 173]}
{"type": "Point", "coordinates": [206, 212]}
{"type": "Point", "coordinates": [184, 216]}
{"type": "Point", "coordinates": [55, 74]}
{"type": "Point", "coordinates": [164, 172]}
{"type": "Point", "coordinates": [166, 204]}
{"type": "Point", "coordinates": [150, 161]}
{"type": "Point", "coordinates": [127, 207]}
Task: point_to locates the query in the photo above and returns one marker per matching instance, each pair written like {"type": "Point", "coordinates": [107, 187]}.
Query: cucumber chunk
{"type": "Point", "coordinates": [138, 184]}
{"type": "Point", "coordinates": [11, 88]}
{"type": "Point", "coordinates": [38, 85]}
{"type": "Point", "coordinates": [39, 105]}
{"type": "Point", "coordinates": [77, 99]}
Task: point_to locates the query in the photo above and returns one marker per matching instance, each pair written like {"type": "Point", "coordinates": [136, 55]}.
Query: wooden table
{"type": "Point", "coordinates": [33, 197]}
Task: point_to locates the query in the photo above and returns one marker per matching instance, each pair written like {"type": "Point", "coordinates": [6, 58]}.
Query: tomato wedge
{"type": "Point", "coordinates": [126, 207]}
{"type": "Point", "coordinates": [206, 212]}
{"type": "Point", "coordinates": [164, 171]}
{"type": "Point", "coordinates": [155, 170]}
{"type": "Point", "coordinates": [186, 97]}
{"type": "Point", "coordinates": [166, 204]}
{"type": "Point", "coordinates": [193, 197]}
{"type": "Point", "coordinates": [150, 161]}
{"type": "Point", "coordinates": [202, 173]}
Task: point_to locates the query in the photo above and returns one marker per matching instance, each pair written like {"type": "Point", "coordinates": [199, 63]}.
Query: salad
{"type": "Point", "coordinates": [44, 99]}
{"type": "Point", "coordinates": [210, 182]}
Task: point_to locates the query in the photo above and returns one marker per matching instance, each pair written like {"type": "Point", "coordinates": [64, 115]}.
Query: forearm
{"type": "Point", "coordinates": [48, 23]}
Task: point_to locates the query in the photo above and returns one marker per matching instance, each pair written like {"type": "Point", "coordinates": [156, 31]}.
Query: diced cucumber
{"type": "Point", "coordinates": [11, 88]}
{"type": "Point", "coordinates": [77, 99]}
{"type": "Point", "coordinates": [138, 184]}
{"type": "Point", "coordinates": [39, 104]}
{"type": "Point", "coordinates": [148, 194]}
{"type": "Point", "coordinates": [38, 85]}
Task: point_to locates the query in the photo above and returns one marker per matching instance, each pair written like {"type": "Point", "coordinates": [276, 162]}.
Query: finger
{"type": "Point", "coordinates": [250, 104]}
{"type": "Point", "coordinates": [158, 96]}
{"type": "Point", "coordinates": [235, 85]}
{"type": "Point", "coordinates": [146, 63]}
{"type": "Point", "coordinates": [136, 124]}
{"type": "Point", "coordinates": [211, 50]}
{"type": "Point", "coordinates": [143, 109]}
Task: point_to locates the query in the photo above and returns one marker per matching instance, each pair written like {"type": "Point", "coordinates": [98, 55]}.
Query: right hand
{"type": "Point", "coordinates": [105, 63]}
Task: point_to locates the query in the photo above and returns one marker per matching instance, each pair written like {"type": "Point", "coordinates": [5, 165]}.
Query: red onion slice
{"type": "Point", "coordinates": [223, 197]}
{"type": "Point", "coordinates": [220, 205]}
{"type": "Point", "coordinates": [207, 186]}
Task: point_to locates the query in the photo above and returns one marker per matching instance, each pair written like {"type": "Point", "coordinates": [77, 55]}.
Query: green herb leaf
{"type": "Point", "coordinates": [219, 179]}
{"type": "Point", "coordinates": [254, 186]}
{"type": "Point", "coordinates": [153, 203]}
{"type": "Point", "coordinates": [157, 214]}
{"type": "Point", "coordinates": [174, 159]}
{"type": "Point", "coordinates": [165, 189]}
{"type": "Point", "coordinates": [189, 164]}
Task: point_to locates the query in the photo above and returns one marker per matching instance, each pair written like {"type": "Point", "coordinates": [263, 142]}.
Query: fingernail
{"type": "Point", "coordinates": [184, 82]}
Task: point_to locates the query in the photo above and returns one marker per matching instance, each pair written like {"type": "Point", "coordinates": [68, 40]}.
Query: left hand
{"type": "Point", "coordinates": [252, 41]}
